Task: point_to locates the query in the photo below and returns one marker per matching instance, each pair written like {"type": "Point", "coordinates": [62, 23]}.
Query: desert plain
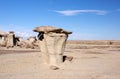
{"type": "Point", "coordinates": [91, 60]}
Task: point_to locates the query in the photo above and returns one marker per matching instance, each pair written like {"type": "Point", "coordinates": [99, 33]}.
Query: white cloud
{"type": "Point", "coordinates": [25, 34]}
{"type": "Point", "coordinates": [68, 12]}
{"type": "Point", "coordinates": [75, 12]}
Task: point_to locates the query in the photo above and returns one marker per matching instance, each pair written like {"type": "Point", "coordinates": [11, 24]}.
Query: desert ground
{"type": "Point", "coordinates": [89, 62]}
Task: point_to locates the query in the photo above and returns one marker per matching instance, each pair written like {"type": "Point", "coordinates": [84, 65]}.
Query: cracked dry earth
{"type": "Point", "coordinates": [86, 64]}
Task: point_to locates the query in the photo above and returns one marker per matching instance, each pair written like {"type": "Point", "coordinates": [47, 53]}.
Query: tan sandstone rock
{"type": "Point", "coordinates": [10, 39]}
{"type": "Point", "coordinates": [52, 43]}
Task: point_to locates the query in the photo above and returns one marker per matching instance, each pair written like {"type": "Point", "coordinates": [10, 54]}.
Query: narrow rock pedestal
{"type": "Point", "coordinates": [52, 43]}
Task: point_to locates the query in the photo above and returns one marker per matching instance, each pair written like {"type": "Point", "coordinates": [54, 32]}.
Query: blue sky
{"type": "Point", "coordinates": [87, 19]}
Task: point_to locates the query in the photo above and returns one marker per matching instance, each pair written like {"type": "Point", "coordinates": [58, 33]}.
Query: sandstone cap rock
{"type": "Point", "coordinates": [47, 29]}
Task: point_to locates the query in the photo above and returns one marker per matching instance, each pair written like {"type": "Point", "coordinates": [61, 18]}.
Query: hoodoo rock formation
{"type": "Point", "coordinates": [52, 43]}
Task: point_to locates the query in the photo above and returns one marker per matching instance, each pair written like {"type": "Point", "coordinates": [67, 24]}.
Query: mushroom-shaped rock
{"type": "Point", "coordinates": [52, 43]}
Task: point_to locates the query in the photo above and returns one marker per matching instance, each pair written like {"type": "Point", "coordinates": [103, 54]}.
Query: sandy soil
{"type": "Point", "coordinates": [87, 64]}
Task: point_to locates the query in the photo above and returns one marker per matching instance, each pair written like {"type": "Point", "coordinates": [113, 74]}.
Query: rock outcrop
{"type": "Point", "coordinates": [52, 43]}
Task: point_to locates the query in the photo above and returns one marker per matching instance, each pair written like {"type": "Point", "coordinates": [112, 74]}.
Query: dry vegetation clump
{"type": "Point", "coordinates": [115, 42]}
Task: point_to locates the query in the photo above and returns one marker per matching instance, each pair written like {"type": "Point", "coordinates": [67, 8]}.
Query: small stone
{"type": "Point", "coordinates": [69, 58]}
{"type": "Point", "coordinates": [54, 67]}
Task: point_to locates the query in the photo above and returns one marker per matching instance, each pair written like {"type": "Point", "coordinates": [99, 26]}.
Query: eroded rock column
{"type": "Point", "coordinates": [10, 39]}
{"type": "Point", "coordinates": [52, 43]}
{"type": "Point", "coordinates": [55, 43]}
